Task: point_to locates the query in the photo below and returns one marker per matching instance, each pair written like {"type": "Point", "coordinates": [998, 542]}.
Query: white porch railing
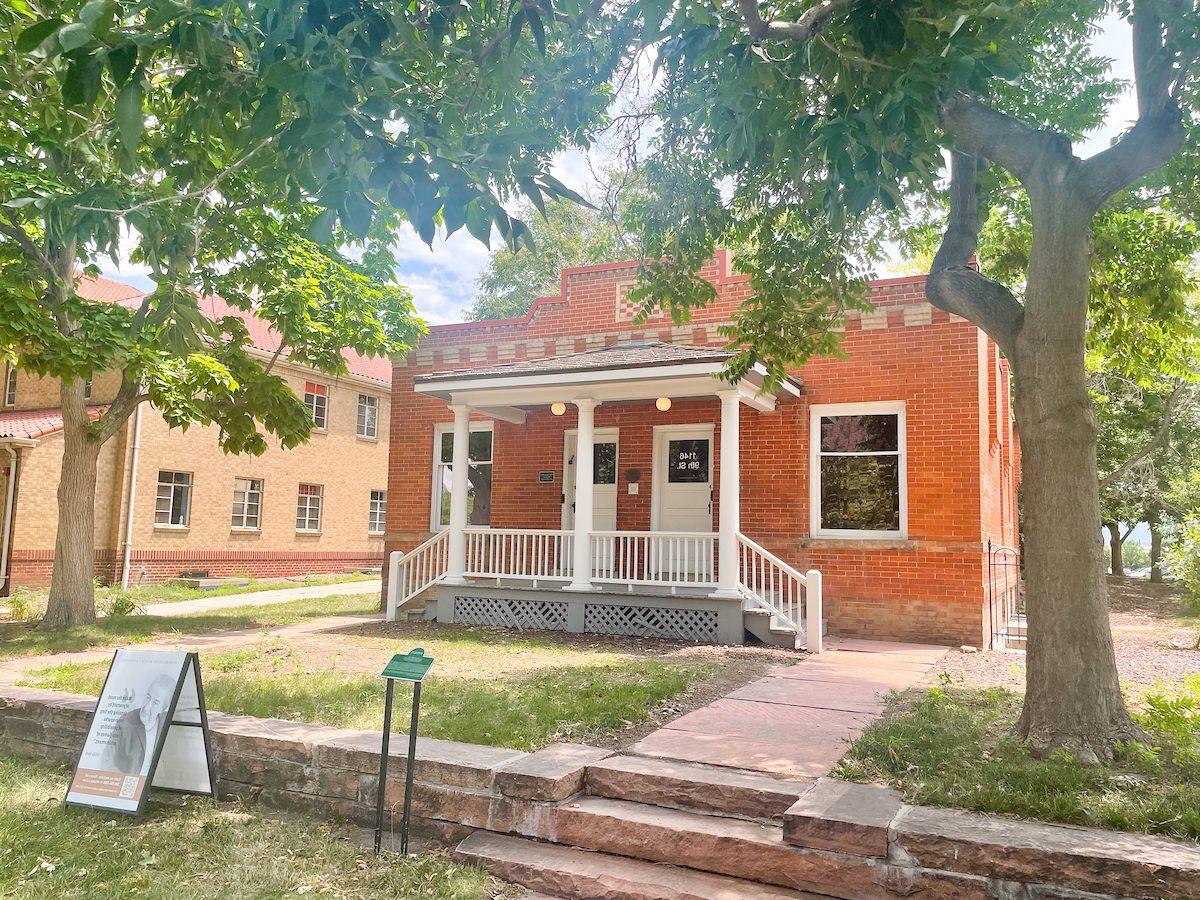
{"type": "Point", "coordinates": [519, 553]}
{"type": "Point", "coordinates": [661, 558]}
{"type": "Point", "coordinates": [773, 585]}
{"type": "Point", "coordinates": [412, 573]}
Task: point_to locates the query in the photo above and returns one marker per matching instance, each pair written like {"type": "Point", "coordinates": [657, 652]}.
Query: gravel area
{"type": "Point", "coordinates": [1154, 640]}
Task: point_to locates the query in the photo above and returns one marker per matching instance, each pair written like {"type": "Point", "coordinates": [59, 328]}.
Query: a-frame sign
{"type": "Point", "coordinates": [150, 730]}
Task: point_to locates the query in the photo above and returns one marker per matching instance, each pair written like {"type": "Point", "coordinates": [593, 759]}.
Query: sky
{"type": "Point", "coordinates": [443, 277]}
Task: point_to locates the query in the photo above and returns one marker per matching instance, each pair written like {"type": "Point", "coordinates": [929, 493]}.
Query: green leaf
{"type": "Point", "coordinates": [514, 29]}
{"type": "Point", "coordinates": [537, 30]}
{"type": "Point", "coordinates": [35, 35]}
{"type": "Point", "coordinates": [129, 116]}
{"type": "Point", "coordinates": [479, 223]}
{"type": "Point", "coordinates": [73, 36]}
{"type": "Point", "coordinates": [321, 228]}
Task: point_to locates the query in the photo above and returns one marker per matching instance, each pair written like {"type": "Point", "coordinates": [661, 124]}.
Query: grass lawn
{"type": "Point", "coordinates": [24, 639]}
{"type": "Point", "coordinates": [485, 687]}
{"type": "Point", "coordinates": [952, 747]}
{"type": "Point", "coordinates": [190, 847]}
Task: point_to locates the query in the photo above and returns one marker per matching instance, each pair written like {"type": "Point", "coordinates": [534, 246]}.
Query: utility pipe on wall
{"type": "Point", "coordinates": [9, 499]}
{"type": "Point", "coordinates": [133, 474]}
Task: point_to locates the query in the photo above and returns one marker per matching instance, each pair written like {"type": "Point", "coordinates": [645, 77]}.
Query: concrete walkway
{"type": "Point", "coordinates": [264, 598]}
{"type": "Point", "coordinates": [13, 670]}
{"type": "Point", "coordinates": [798, 721]}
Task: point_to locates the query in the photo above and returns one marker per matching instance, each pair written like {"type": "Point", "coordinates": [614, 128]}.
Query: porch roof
{"type": "Point", "coordinates": [635, 370]}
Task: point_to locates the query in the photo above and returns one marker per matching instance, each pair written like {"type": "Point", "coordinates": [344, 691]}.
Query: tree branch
{"type": "Point", "coordinates": [952, 284]}
{"type": "Point", "coordinates": [1156, 440]}
{"type": "Point", "coordinates": [982, 131]}
{"type": "Point", "coordinates": [803, 29]}
{"type": "Point", "coordinates": [1158, 134]}
{"type": "Point", "coordinates": [129, 395]}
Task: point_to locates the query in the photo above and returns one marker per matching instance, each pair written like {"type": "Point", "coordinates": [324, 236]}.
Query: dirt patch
{"type": "Point", "coordinates": [1152, 643]}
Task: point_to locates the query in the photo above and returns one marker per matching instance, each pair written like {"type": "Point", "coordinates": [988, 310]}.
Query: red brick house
{"type": "Point", "coordinates": [716, 512]}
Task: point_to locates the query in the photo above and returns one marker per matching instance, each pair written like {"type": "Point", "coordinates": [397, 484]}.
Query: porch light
{"type": "Point", "coordinates": [558, 407]}
{"type": "Point", "coordinates": [663, 404]}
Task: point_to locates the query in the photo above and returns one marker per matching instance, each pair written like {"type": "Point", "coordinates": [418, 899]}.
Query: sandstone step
{"type": "Point", "coordinates": [713, 789]}
{"type": "Point", "coordinates": [739, 848]}
{"type": "Point", "coordinates": [581, 875]}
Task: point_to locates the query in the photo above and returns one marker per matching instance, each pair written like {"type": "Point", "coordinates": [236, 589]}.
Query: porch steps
{"type": "Point", "coordinates": [694, 787]}
{"type": "Point", "coordinates": [1014, 635]}
{"type": "Point", "coordinates": [566, 872]}
{"type": "Point", "coordinates": [765, 627]}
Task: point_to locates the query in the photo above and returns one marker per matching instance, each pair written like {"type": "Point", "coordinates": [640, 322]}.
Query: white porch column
{"type": "Point", "coordinates": [729, 514]}
{"type": "Point", "coordinates": [456, 562]}
{"type": "Point", "coordinates": [584, 495]}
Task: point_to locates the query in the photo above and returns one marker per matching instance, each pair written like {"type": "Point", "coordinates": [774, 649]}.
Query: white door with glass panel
{"type": "Point", "coordinates": [604, 489]}
{"type": "Point", "coordinates": [683, 492]}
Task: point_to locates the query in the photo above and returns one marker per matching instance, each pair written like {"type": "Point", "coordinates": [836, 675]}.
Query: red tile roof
{"type": "Point", "coordinates": [106, 290]}
{"type": "Point", "coordinates": [35, 423]}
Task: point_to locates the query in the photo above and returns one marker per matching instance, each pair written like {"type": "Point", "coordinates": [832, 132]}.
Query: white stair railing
{"type": "Point", "coordinates": [664, 558]}
{"type": "Point", "coordinates": [526, 553]}
{"type": "Point", "coordinates": [409, 574]}
{"type": "Point", "coordinates": [771, 584]}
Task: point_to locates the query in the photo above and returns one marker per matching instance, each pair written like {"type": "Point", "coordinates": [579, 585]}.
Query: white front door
{"type": "Point", "coordinates": [604, 478]}
{"type": "Point", "coordinates": [682, 498]}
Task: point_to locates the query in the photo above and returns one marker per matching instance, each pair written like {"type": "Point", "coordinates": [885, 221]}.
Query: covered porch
{"type": "Point", "coordinates": [681, 577]}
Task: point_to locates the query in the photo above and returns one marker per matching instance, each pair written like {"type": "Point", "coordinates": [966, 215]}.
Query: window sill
{"type": "Point", "coordinates": [376, 534]}
{"type": "Point", "coordinates": [160, 527]}
{"type": "Point", "coordinates": [237, 529]}
{"type": "Point", "coordinates": [304, 532]}
{"type": "Point", "coordinates": [367, 440]}
{"type": "Point", "coordinates": [841, 542]}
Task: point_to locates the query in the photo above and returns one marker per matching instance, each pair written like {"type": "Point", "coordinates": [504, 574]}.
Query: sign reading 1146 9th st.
{"type": "Point", "coordinates": [150, 729]}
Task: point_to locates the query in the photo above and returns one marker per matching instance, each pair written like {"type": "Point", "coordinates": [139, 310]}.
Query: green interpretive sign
{"type": "Point", "coordinates": [410, 666]}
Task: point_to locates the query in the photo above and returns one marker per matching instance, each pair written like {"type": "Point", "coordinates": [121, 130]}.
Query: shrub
{"type": "Point", "coordinates": [1135, 556]}
{"type": "Point", "coordinates": [120, 604]}
{"type": "Point", "coordinates": [24, 606]}
{"type": "Point", "coordinates": [1182, 556]}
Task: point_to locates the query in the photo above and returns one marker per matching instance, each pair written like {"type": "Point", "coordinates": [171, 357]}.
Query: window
{"type": "Point", "coordinates": [87, 389]}
{"type": "Point", "coordinates": [247, 503]}
{"type": "Point", "coordinates": [858, 466]}
{"type": "Point", "coordinates": [316, 398]}
{"type": "Point", "coordinates": [308, 507]}
{"type": "Point", "coordinates": [10, 387]}
{"type": "Point", "coordinates": [173, 504]}
{"type": "Point", "coordinates": [377, 518]}
{"type": "Point", "coordinates": [479, 475]}
{"type": "Point", "coordinates": [368, 416]}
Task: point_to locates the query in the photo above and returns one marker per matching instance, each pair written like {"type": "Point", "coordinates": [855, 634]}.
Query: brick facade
{"type": "Point", "coordinates": [348, 468]}
{"type": "Point", "coordinates": [961, 450]}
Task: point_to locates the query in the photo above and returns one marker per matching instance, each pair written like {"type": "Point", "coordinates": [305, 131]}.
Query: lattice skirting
{"type": "Point", "coordinates": [699, 625]}
{"type": "Point", "coordinates": [504, 612]}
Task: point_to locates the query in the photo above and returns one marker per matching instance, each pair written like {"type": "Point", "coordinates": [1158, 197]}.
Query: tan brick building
{"type": "Point", "coordinates": [320, 507]}
{"type": "Point", "coordinates": [890, 470]}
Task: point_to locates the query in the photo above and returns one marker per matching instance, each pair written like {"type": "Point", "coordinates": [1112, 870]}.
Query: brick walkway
{"type": "Point", "coordinates": [264, 598]}
{"type": "Point", "coordinates": [798, 721]}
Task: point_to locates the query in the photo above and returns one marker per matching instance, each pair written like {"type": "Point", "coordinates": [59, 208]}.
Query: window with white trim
{"type": "Point", "coordinates": [479, 474]}
{"type": "Point", "coordinates": [858, 470]}
{"type": "Point", "coordinates": [308, 507]}
{"type": "Point", "coordinates": [377, 517]}
{"type": "Point", "coordinates": [368, 416]}
{"type": "Point", "coordinates": [10, 387]}
{"type": "Point", "coordinates": [247, 504]}
{"type": "Point", "coordinates": [173, 502]}
{"type": "Point", "coordinates": [316, 398]}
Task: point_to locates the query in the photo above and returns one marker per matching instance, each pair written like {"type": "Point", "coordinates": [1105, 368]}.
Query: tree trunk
{"type": "Point", "coordinates": [1072, 698]}
{"type": "Point", "coordinates": [1116, 563]}
{"type": "Point", "coordinates": [1156, 573]}
{"type": "Point", "coordinates": [72, 595]}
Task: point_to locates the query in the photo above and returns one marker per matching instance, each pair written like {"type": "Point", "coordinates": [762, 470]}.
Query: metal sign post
{"type": "Point", "coordinates": [412, 666]}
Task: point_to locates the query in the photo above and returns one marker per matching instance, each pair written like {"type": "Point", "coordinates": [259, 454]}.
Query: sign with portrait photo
{"type": "Point", "coordinates": [150, 729]}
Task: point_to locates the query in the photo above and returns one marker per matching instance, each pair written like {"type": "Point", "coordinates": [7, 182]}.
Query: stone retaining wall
{"type": "Point", "coordinates": [840, 836]}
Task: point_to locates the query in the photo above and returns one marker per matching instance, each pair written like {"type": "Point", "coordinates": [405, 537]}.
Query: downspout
{"type": "Point", "coordinates": [9, 499]}
{"type": "Point", "coordinates": [133, 474]}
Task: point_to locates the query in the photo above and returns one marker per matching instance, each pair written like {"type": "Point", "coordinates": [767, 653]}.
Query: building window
{"type": "Point", "coordinates": [10, 387]}
{"type": "Point", "coordinates": [308, 507]}
{"type": "Point", "coordinates": [173, 504]}
{"type": "Point", "coordinates": [858, 466]}
{"type": "Point", "coordinates": [479, 474]}
{"type": "Point", "coordinates": [316, 398]}
{"type": "Point", "coordinates": [377, 518]}
{"type": "Point", "coordinates": [247, 503]}
{"type": "Point", "coordinates": [368, 416]}
{"type": "Point", "coordinates": [87, 389]}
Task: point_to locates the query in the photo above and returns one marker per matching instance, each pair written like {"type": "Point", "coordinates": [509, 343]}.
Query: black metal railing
{"type": "Point", "coordinates": [1005, 598]}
